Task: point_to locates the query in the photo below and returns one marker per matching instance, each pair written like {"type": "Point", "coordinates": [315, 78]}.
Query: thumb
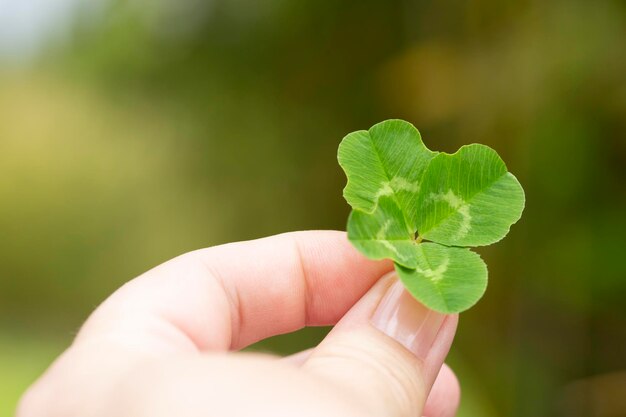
{"type": "Point", "coordinates": [386, 352]}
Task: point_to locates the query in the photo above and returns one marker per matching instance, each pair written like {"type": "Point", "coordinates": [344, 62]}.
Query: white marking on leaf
{"type": "Point", "coordinates": [381, 236]}
{"type": "Point", "coordinates": [402, 184]}
{"type": "Point", "coordinates": [389, 246]}
{"type": "Point", "coordinates": [463, 208]}
{"type": "Point", "coordinates": [396, 184]}
{"type": "Point", "coordinates": [437, 274]}
{"type": "Point", "coordinates": [384, 191]}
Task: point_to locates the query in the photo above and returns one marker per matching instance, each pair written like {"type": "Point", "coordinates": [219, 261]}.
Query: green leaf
{"type": "Point", "coordinates": [382, 234]}
{"type": "Point", "coordinates": [387, 160]}
{"type": "Point", "coordinates": [446, 279]}
{"type": "Point", "coordinates": [402, 193]}
{"type": "Point", "coordinates": [468, 198]}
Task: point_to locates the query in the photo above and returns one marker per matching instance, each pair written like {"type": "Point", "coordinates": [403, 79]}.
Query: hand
{"type": "Point", "coordinates": [159, 346]}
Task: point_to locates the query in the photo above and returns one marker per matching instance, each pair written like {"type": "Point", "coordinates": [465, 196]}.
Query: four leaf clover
{"type": "Point", "coordinates": [425, 210]}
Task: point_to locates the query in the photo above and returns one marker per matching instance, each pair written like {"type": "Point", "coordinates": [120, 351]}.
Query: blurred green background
{"type": "Point", "coordinates": [133, 131]}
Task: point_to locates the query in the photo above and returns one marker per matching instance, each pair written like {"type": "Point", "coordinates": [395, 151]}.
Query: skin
{"type": "Point", "coordinates": [165, 344]}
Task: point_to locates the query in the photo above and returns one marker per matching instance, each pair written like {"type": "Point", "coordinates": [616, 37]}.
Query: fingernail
{"type": "Point", "coordinates": [406, 320]}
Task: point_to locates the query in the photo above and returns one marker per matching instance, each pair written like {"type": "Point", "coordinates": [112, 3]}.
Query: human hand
{"type": "Point", "coordinates": [159, 346]}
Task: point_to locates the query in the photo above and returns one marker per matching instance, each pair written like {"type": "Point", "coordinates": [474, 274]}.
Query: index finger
{"type": "Point", "coordinates": [229, 296]}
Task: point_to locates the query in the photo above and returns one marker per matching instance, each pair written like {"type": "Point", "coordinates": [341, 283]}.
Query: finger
{"type": "Point", "coordinates": [444, 397]}
{"type": "Point", "coordinates": [217, 298]}
{"type": "Point", "coordinates": [298, 358]}
{"type": "Point", "coordinates": [387, 351]}
{"type": "Point", "coordinates": [229, 296]}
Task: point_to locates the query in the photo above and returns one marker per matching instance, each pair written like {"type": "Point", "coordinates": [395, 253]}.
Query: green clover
{"type": "Point", "coordinates": [425, 209]}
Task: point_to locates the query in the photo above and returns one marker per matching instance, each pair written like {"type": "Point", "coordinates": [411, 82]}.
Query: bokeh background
{"type": "Point", "coordinates": [133, 131]}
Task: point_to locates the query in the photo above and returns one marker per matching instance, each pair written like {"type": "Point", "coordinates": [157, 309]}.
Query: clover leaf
{"type": "Point", "coordinates": [387, 160]}
{"type": "Point", "coordinates": [424, 209]}
{"type": "Point", "coordinates": [469, 198]}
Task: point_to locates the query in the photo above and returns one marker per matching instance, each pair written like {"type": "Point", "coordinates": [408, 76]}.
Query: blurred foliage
{"type": "Point", "coordinates": [162, 125]}
{"type": "Point", "coordinates": [22, 357]}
